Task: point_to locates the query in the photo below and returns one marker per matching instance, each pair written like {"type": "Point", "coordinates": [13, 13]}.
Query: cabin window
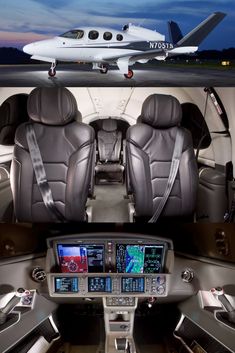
{"type": "Point", "coordinates": [119, 37]}
{"type": "Point", "coordinates": [193, 120]}
{"type": "Point", "coordinates": [107, 36]}
{"type": "Point", "coordinates": [93, 35]}
{"type": "Point", "coordinates": [74, 34]}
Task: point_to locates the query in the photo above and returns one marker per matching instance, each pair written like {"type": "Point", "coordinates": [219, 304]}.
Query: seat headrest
{"type": "Point", "coordinates": [161, 111]}
{"type": "Point", "coordinates": [109, 125]}
{"type": "Point", "coordinates": [52, 106]}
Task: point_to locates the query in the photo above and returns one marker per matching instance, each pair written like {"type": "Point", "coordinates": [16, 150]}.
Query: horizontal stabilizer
{"type": "Point", "coordinates": [199, 33]}
{"type": "Point", "coordinates": [175, 33]}
{"type": "Point", "coordinates": [183, 50]}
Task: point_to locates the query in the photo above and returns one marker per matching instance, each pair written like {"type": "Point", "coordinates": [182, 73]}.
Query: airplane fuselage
{"type": "Point", "coordinates": [67, 50]}
{"type": "Point", "coordinates": [95, 50]}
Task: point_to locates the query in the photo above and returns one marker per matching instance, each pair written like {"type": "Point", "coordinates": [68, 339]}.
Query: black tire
{"type": "Point", "coordinates": [52, 72]}
{"type": "Point", "coordinates": [129, 75]}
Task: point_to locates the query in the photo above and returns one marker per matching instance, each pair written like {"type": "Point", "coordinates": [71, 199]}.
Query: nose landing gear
{"type": "Point", "coordinates": [52, 70]}
{"type": "Point", "coordinates": [103, 69]}
{"type": "Point", "coordinates": [129, 75]}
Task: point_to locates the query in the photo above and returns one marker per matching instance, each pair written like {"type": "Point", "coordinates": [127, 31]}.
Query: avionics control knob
{"type": "Point", "coordinates": [160, 290]}
{"type": "Point", "coordinates": [187, 275]}
{"type": "Point", "coordinates": [161, 280]}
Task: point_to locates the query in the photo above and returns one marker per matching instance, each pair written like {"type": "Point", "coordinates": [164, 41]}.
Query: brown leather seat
{"type": "Point", "coordinates": [150, 146]}
{"type": "Point", "coordinates": [66, 148]}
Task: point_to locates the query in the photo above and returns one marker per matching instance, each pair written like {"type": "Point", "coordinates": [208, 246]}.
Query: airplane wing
{"type": "Point", "coordinates": [149, 54]}
{"type": "Point", "coordinates": [123, 61]}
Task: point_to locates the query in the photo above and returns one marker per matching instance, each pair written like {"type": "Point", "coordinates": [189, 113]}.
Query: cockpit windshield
{"type": "Point", "coordinates": [73, 34]}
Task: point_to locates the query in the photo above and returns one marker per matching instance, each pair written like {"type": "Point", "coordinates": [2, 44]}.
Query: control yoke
{"type": "Point", "coordinates": [218, 292]}
{"type": "Point", "coordinates": [5, 311]}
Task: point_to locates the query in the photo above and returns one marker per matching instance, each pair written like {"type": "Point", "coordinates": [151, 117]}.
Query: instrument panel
{"type": "Point", "coordinates": [107, 284]}
{"type": "Point", "coordinates": [109, 265]}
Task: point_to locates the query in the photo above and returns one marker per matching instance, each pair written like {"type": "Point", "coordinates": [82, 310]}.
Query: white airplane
{"type": "Point", "coordinates": [103, 46]}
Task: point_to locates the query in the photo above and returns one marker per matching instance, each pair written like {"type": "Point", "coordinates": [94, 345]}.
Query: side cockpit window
{"type": "Point", "coordinates": [107, 36]}
{"type": "Point", "coordinates": [73, 34]}
{"type": "Point", "coordinates": [93, 35]}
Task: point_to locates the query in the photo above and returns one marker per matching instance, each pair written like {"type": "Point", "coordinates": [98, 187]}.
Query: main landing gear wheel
{"type": "Point", "coordinates": [104, 70]}
{"type": "Point", "coordinates": [52, 71]}
{"type": "Point", "coordinates": [130, 74]}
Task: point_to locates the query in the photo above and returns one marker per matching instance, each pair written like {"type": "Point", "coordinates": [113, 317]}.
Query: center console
{"type": "Point", "coordinates": [120, 269]}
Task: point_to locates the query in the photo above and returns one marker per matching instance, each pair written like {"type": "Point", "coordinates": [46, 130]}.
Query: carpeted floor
{"type": "Point", "coordinates": [110, 204]}
{"type": "Point", "coordinates": [67, 348]}
{"type": "Point", "coordinates": [151, 348]}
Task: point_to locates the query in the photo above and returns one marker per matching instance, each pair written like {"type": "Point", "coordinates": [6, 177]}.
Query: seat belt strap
{"type": "Point", "coordinates": [40, 174]}
{"type": "Point", "coordinates": [177, 153]}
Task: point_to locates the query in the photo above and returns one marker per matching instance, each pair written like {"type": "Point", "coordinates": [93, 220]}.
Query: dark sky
{"type": "Point", "coordinates": [24, 21]}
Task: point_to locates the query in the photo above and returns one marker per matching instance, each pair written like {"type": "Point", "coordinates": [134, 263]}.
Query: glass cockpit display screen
{"type": "Point", "coordinates": [99, 284]}
{"type": "Point", "coordinates": [139, 258]}
{"type": "Point", "coordinates": [66, 284]}
{"type": "Point", "coordinates": [132, 284]}
{"type": "Point", "coordinates": [76, 258]}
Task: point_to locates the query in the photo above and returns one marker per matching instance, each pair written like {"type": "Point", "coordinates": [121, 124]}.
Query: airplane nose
{"type": "Point", "coordinates": [28, 49]}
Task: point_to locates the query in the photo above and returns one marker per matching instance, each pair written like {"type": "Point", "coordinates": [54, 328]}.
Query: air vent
{"type": "Point", "coordinates": [38, 274]}
{"type": "Point", "coordinates": [187, 275]}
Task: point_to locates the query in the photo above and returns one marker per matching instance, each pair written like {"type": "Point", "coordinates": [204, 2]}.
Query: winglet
{"type": "Point", "coordinates": [199, 33]}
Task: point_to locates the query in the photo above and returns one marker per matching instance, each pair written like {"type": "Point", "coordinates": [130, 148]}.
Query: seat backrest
{"type": "Point", "coordinates": [66, 148]}
{"type": "Point", "coordinates": [150, 146]}
{"type": "Point", "coordinates": [109, 141]}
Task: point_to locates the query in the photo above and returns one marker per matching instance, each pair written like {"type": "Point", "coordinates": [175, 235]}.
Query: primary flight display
{"type": "Point", "coordinates": [126, 258]}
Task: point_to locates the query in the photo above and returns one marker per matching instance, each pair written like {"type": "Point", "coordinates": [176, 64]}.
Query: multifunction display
{"type": "Point", "coordinates": [139, 258]}
{"type": "Point", "coordinates": [66, 285]}
{"type": "Point", "coordinates": [99, 284]}
{"type": "Point", "coordinates": [76, 258]}
{"type": "Point", "coordinates": [132, 284]}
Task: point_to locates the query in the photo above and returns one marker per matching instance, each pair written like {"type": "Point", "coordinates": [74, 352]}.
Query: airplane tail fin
{"type": "Point", "coordinates": [199, 33]}
{"type": "Point", "coordinates": [175, 33]}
